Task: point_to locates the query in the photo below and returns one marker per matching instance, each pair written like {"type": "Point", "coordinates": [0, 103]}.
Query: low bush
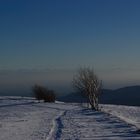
{"type": "Point", "coordinates": [42, 93]}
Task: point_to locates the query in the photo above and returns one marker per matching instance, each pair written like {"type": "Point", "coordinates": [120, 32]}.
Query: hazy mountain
{"type": "Point", "coordinates": [72, 97]}
{"type": "Point", "coordinates": [123, 96]}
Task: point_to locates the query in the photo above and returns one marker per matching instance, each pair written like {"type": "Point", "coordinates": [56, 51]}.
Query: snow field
{"type": "Point", "coordinates": [25, 119]}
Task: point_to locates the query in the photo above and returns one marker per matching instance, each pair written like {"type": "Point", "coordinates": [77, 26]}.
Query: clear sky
{"type": "Point", "coordinates": [47, 40]}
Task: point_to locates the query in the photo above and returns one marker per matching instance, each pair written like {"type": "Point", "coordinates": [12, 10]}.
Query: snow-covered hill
{"type": "Point", "coordinates": [25, 119]}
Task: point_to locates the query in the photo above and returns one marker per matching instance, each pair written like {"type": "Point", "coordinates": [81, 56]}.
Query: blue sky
{"type": "Point", "coordinates": [62, 35]}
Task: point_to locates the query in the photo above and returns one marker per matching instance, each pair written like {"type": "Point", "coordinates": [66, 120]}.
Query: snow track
{"type": "Point", "coordinates": [55, 131]}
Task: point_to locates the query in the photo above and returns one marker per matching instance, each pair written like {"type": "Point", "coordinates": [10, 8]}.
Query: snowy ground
{"type": "Point", "coordinates": [24, 119]}
{"type": "Point", "coordinates": [129, 114]}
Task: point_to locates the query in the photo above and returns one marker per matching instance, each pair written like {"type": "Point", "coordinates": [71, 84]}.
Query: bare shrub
{"type": "Point", "coordinates": [42, 93]}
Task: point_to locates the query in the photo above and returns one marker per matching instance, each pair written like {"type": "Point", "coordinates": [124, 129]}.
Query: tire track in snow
{"type": "Point", "coordinates": [56, 130]}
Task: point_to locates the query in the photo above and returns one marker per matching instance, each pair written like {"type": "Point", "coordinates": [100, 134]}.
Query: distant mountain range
{"type": "Point", "coordinates": [122, 96]}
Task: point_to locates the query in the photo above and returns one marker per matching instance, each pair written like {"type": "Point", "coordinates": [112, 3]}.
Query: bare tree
{"type": "Point", "coordinates": [87, 83]}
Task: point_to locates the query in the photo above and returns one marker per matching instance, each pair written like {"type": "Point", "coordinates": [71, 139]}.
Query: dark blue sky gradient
{"type": "Point", "coordinates": [63, 35]}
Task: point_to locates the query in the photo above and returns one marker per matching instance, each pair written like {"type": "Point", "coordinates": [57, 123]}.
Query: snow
{"type": "Point", "coordinates": [26, 119]}
{"type": "Point", "coordinates": [129, 114]}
